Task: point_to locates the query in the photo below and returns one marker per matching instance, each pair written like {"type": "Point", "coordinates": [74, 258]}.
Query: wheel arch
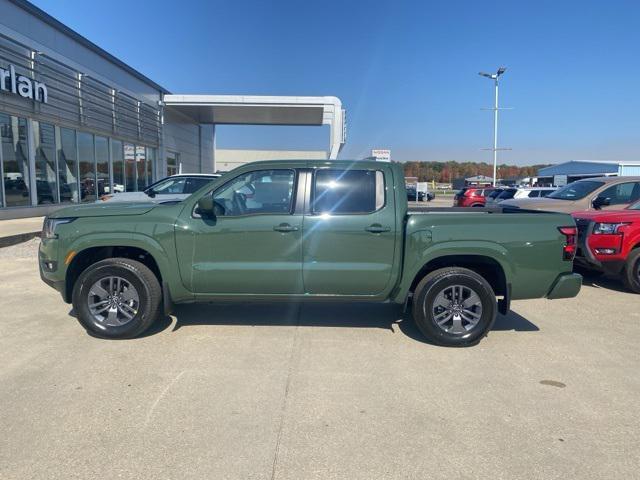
{"type": "Point", "coordinates": [485, 265]}
{"type": "Point", "coordinates": [90, 255]}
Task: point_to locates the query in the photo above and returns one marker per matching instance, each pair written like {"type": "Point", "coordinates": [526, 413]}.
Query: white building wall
{"type": "Point", "coordinates": [192, 142]}
{"type": "Point", "coordinates": [228, 159]}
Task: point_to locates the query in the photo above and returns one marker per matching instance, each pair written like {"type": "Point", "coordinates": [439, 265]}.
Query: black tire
{"type": "Point", "coordinates": [478, 205]}
{"type": "Point", "coordinates": [631, 273]}
{"type": "Point", "coordinates": [436, 282]}
{"type": "Point", "coordinates": [139, 276]}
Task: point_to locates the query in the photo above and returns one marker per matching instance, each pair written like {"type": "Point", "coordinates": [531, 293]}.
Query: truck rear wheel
{"type": "Point", "coordinates": [631, 273]}
{"type": "Point", "coordinates": [117, 298]}
{"type": "Point", "coordinates": [454, 307]}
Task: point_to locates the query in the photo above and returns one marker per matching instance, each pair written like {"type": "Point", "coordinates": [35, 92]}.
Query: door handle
{"type": "Point", "coordinates": [285, 227]}
{"type": "Point", "coordinates": [377, 228]}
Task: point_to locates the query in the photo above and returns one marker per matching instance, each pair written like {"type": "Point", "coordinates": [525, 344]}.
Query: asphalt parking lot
{"type": "Point", "coordinates": [317, 391]}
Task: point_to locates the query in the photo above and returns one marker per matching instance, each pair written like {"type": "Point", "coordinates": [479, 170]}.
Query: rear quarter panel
{"type": "Point", "coordinates": [528, 246]}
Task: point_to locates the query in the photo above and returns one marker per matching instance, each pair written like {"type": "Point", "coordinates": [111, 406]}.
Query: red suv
{"type": "Point", "coordinates": [472, 197]}
{"type": "Point", "coordinates": [609, 242]}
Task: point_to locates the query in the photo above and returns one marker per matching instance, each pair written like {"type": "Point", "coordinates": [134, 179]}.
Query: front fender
{"type": "Point", "coordinates": [420, 252]}
{"type": "Point", "coordinates": [165, 261]}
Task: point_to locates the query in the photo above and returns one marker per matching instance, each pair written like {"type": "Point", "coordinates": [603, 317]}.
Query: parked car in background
{"type": "Point", "coordinates": [414, 195]}
{"type": "Point", "coordinates": [472, 197]}
{"type": "Point", "coordinates": [609, 242]}
{"type": "Point", "coordinates": [588, 194]}
{"type": "Point", "coordinates": [169, 189]}
{"type": "Point", "coordinates": [430, 196]}
{"type": "Point", "coordinates": [508, 193]}
{"type": "Point", "coordinates": [534, 192]}
{"type": "Point", "coordinates": [492, 195]}
{"type": "Point", "coordinates": [303, 231]}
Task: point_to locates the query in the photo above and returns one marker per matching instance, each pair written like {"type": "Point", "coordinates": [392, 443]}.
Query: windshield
{"type": "Point", "coordinates": [495, 193]}
{"type": "Point", "coordinates": [507, 194]}
{"type": "Point", "coordinates": [168, 185]}
{"type": "Point", "coordinates": [575, 190]}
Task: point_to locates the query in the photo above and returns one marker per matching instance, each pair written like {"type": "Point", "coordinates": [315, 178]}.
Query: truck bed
{"type": "Point", "coordinates": [469, 210]}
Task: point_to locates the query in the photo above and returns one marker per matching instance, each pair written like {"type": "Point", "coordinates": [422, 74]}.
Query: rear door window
{"type": "Point", "coordinates": [348, 191]}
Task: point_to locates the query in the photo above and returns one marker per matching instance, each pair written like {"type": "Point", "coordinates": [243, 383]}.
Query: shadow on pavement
{"type": "Point", "coordinates": [602, 281]}
{"type": "Point", "coordinates": [351, 315]}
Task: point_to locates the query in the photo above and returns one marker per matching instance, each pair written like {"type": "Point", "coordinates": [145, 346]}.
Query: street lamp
{"type": "Point", "coordinates": [494, 77]}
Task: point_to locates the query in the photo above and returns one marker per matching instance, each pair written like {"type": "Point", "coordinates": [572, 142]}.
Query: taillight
{"type": "Point", "coordinates": [569, 248]}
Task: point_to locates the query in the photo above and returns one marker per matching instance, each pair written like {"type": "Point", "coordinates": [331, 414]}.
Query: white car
{"type": "Point", "coordinates": [509, 193]}
{"type": "Point", "coordinates": [169, 189]}
{"type": "Point", "coordinates": [534, 192]}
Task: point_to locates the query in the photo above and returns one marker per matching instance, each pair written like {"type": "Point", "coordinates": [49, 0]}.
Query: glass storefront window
{"type": "Point", "coordinates": [70, 166]}
{"type": "Point", "coordinates": [102, 164]}
{"type": "Point", "coordinates": [15, 161]}
{"type": "Point", "coordinates": [151, 163]}
{"type": "Point", "coordinates": [87, 167]}
{"type": "Point", "coordinates": [118, 166]}
{"type": "Point", "coordinates": [46, 185]}
{"type": "Point", "coordinates": [67, 165]}
{"type": "Point", "coordinates": [141, 166]}
{"type": "Point", "coordinates": [130, 167]}
{"type": "Point", "coordinates": [172, 163]}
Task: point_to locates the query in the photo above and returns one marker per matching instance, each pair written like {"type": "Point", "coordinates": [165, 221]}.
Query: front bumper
{"type": "Point", "coordinates": [47, 255]}
{"type": "Point", "coordinates": [611, 264]}
{"type": "Point", "coordinates": [567, 285]}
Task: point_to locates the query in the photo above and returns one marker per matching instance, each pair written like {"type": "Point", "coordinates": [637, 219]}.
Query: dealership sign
{"type": "Point", "coordinates": [21, 85]}
{"type": "Point", "coordinates": [381, 155]}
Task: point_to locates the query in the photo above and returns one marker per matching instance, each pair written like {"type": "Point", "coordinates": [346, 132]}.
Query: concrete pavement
{"type": "Point", "coordinates": [317, 392]}
{"type": "Point", "coordinates": [19, 230]}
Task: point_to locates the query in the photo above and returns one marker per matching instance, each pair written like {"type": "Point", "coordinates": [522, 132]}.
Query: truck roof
{"type": "Point", "coordinates": [346, 164]}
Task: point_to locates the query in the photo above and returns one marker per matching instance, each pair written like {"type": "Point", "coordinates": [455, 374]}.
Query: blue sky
{"type": "Point", "coordinates": [405, 71]}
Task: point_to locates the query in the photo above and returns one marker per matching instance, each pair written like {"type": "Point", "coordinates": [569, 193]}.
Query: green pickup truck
{"type": "Point", "coordinates": [305, 231]}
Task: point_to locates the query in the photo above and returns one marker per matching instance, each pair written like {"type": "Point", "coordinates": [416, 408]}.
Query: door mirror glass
{"type": "Point", "coordinates": [600, 202]}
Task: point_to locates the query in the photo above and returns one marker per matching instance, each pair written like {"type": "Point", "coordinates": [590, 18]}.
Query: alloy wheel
{"type": "Point", "coordinates": [113, 301]}
{"type": "Point", "coordinates": [457, 309]}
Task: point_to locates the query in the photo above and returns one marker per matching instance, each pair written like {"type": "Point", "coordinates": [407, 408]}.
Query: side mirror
{"type": "Point", "coordinates": [600, 202]}
{"type": "Point", "coordinates": [209, 208]}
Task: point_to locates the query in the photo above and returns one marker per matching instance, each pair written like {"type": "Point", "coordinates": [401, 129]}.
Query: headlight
{"type": "Point", "coordinates": [607, 228]}
{"type": "Point", "coordinates": [50, 224]}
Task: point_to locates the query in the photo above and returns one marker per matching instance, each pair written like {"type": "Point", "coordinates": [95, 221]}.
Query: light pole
{"type": "Point", "coordinates": [494, 77]}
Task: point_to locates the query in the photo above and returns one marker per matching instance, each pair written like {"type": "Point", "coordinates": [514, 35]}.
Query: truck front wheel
{"type": "Point", "coordinates": [454, 307]}
{"type": "Point", "coordinates": [117, 298]}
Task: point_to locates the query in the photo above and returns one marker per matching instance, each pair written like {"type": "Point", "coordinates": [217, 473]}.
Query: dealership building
{"type": "Point", "coordinates": [76, 122]}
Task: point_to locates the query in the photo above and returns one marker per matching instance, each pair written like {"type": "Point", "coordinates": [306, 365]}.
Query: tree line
{"type": "Point", "coordinates": [446, 172]}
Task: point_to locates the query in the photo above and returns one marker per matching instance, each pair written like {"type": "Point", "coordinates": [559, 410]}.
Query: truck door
{"type": "Point", "coordinates": [350, 231]}
{"type": "Point", "coordinates": [254, 247]}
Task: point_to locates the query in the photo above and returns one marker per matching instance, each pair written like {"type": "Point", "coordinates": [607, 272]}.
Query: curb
{"type": "Point", "coordinates": [19, 238]}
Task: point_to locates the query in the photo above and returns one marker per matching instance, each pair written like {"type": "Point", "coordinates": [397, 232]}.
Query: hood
{"type": "Point", "coordinates": [547, 204]}
{"type": "Point", "coordinates": [608, 216]}
{"type": "Point", "coordinates": [142, 197]}
{"type": "Point", "coordinates": [104, 209]}
{"type": "Point", "coordinates": [131, 197]}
